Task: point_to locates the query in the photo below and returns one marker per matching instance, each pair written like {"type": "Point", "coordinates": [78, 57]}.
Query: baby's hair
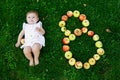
{"type": "Point", "coordinates": [32, 11]}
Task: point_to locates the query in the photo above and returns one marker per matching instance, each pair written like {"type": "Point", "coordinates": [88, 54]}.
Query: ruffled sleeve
{"type": "Point", "coordinates": [39, 24]}
{"type": "Point", "coordinates": [24, 26]}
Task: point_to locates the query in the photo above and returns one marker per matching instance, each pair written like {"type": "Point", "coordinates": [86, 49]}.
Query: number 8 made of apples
{"type": "Point", "coordinates": [77, 33]}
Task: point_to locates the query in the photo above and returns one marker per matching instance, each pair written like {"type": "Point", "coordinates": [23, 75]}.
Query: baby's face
{"type": "Point", "coordinates": [32, 18]}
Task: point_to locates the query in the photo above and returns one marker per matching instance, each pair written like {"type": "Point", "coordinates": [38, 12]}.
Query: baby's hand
{"type": "Point", "coordinates": [17, 44]}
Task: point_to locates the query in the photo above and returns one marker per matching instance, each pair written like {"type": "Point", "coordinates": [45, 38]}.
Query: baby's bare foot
{"type": "Point", "coordinates": [36, 61]}
{"type": "Point", "coordinates": [31, 63]}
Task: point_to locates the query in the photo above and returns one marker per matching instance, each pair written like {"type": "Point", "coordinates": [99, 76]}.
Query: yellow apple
{"type": "Point", "coordinates": [62, 24]}
{"type": "Point", "coordinates": [78, 65]}
{"type": "Point", "coordinates": [96, 57]}
{"type": "Point", "coordinates": [67, 32]}
{"type": "Point", "coordinates": [86, 65]}
{"type": "Point", "coordinates": [22, 41]}
{"type": "Point", "coordinates": [68, 54]}
{"type": "Point", "coordinates": [100, 51]}
{"type": "Point", "coordinates": [92, 61]}
{"type": "Point", "coordinates": [85, 23]}
{"type": "Point", "coordinates": [76, 13]}
{"type": "Point", "coordinates": [72, 61]}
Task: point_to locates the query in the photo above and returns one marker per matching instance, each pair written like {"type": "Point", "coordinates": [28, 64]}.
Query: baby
{"type": "Point", "coordinates": [34, 39]}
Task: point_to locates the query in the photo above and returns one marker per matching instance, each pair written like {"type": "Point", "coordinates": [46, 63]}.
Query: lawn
{"type": "Point", "coordinates": [102, 14]}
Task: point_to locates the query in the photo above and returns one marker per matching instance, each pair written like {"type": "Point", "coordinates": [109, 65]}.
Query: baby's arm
{"type": "Point", "coordinates": [19, 38]}
{"type": "Point", "coordinates": [41, 30]}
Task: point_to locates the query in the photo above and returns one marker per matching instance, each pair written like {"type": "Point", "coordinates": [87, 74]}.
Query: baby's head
{"type": "Point", "coordinates": [32, 17]}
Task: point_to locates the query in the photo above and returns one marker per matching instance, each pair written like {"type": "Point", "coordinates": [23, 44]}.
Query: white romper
{"type": "Point", "coordinates": [32, 36]}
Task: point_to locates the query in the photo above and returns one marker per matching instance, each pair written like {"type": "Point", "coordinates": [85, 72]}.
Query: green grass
{"type": "Point", "coordinates": [102, 14]}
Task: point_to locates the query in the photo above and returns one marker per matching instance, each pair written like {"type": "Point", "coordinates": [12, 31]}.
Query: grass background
{"type": "Point", "coordinates": [102, 14]}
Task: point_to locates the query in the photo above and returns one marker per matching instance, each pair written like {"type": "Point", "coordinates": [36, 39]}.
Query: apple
{"type": "Point", "coordinates": [78, 65]}
{"type": "Point", "coordinates": [68, 54]}
{"type": "Point", "coordinates": [67, 32]}
{"type": "Point", "coordinates": [90, 33]}
{"type": "Point", "coordinates": [72, 37]}
{"type": "Point", "coordinates": [64, 18]}
{"type": "Point", "coordinates": [65, 40]}
{"type": "Point", "coordinates": [77, 32]}
{"type": "Point", "coordinates": [76, 13]}
{"type": "Point", "coordinates": [96, 57]}
{"type": "Point", "coordinates": [82, 17]}
{"type": "Point", "coordinates": [85, 23]}
{"type": "Point", "coordinates": [69, 13]}
{"type": "Point", "coordinates": [62, 24]}
{"type": "Point", "coordinates": [84, 30]}
{"type": "Point", "coordinates": [92, 61]}
{"type": "Point", "coordinates": [98, 44]}
{"type": "Point", "coordinates": [100, 51]}
{"type": "Point", "coordinates": [86, 65]}
{"type": "Point", "coordinates": [22, 41]}
{"type": "Point", "coordinates": [95, 37]}
{"type": "Point", "coordinates": [72, 61]}
{"type": "Point", "coordinates": [63, 29]}
{"type": "Point", "coordinates": [66, 48]}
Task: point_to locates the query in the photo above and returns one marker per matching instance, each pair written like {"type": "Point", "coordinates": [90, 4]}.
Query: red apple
{"type": "Point", "coordinates": [66, 48]}
{"type": "Point", "coordinates": [64, 18]}
{"type": "Point", "coordinates": [90, 33]}
{"type": "Point", "coordinates": [84, 30]}
{"type": "Point", "coordinates": [82, 17]}
{"type": "Point", "coordinates": [69, 13]}
{"type": "Point", "coordinates": [65, 40]}
{"type": "Point", "coordinates": [77, 32]}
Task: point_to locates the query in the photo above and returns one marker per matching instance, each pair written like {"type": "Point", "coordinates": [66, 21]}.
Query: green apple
{"type": "Point", "coordinates": [98, 44]}
{"type": "Point", "coordinates": [72, 37]}
{"type": "Point", "coordinates": [63, 29]}
{"type": "Point", "coordinates": [85, 23]}
{"type": "Point", "coordinates": [68, 54]}
{"type": "Point", "coordinates": [95, 37]}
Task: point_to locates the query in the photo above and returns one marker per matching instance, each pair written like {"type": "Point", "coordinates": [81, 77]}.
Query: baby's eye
{"type": "Point", "coordinates": [28, 17]}
{"type": "Point", "coordinates": [33, 17]}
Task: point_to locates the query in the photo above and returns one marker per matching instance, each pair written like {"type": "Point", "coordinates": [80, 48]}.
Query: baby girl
{"type": "Point", "coordinates": [34, 38]}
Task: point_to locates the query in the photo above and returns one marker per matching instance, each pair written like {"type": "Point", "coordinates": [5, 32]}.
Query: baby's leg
{"type": "Point", "coordinates": [36, 52]}
{"type": "Point", "coordinates": [28, 54]}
